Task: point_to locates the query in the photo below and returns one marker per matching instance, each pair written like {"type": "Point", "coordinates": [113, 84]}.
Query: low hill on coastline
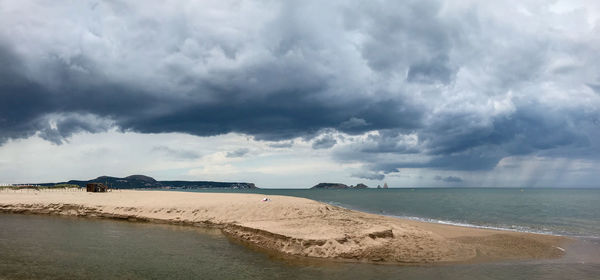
{"type": "Point", "coordinates": [337, 186]}
{"type": "Point", "coordinates": [146, 182]}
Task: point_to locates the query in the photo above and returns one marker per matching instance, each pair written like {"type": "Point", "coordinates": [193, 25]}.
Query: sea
{"type": "Point", "coordinates": [51, 247]}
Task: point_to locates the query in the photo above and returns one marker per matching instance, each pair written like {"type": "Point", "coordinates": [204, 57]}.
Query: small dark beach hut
{"type": "Point", "coordinates": [96, 187]}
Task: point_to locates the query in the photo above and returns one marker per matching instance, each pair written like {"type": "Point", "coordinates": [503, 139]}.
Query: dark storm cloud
{"type": "Point", "coordinates": [292, 92]}
{"type": "Point", "coordinates": [283, 144]}
{"type": "Point", "coordinates": [21, 102]}
{"type": "Point", "coordinates": [444, 86]}
{"type": "Point", "coordinates": [353, 123]}
{"type": "Point", "coordinates": [238, 153]}
{"type": "Point", "coordinates": [324, 142]}
{"type": "Point", "coordinates": [368, 175]}
{"type": "Point", "coordinates": [56, 112]}
{"type": "Point", "coordinates": [277, 115]}
{"type": "Point", "coordinates": [282, 115]}
{"type": "Point", "coordinates": [595, 87]}
{"type": "Point", "coordinates": [406, 36]}
{"type": "Point", "coordinates": [468, 143]}
{"type": "Point", "coordinates": [435, 70]}
{"type": "Point", "coordinates": [448, 179]}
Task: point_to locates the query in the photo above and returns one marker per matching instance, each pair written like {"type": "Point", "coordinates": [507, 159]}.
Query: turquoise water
{"type": "Point", "coordinates": [47, 247]}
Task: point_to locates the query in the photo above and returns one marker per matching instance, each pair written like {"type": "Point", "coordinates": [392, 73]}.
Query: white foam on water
{"type": "Point", "coordinates": [514, 228]}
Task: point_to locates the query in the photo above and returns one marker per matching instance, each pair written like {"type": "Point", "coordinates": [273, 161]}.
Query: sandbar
{"type": "Point", "coordinates": [295, 226]}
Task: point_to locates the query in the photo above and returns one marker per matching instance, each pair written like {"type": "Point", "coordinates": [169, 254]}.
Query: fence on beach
{"type": "Point", "coordinates": [38, 188]}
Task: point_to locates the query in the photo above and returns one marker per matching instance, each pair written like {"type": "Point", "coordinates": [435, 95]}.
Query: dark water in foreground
{"type": "Point", "coordinates": [45, 247]}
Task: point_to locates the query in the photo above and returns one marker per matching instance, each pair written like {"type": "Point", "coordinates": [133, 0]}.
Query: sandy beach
{"type": "Point", "coordinates": [295, 226]}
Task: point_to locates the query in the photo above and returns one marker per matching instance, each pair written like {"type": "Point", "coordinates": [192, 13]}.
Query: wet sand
{"type": "Point", "coordinates": [296, 226]}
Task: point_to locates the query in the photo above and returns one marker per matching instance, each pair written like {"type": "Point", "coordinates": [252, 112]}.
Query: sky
{"type": "Point", "coordinates": [287, 94]}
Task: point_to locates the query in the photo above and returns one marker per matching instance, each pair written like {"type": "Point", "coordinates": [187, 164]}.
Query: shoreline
{"type": "Point", "coordinates": [461, 224]}
{"type": "Point", "coordinates": [297, 227]}
{"type": "Point", "coordinates": [511, 228]}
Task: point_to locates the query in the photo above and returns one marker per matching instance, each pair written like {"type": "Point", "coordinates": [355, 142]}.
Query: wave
{"type": "Point", "coordinates": [515, 228]}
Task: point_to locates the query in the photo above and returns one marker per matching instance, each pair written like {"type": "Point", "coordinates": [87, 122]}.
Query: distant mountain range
{"type": "Point", "coordinates": [141, 181]}
{"type": "Point", "coordinates": [338, 186]}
